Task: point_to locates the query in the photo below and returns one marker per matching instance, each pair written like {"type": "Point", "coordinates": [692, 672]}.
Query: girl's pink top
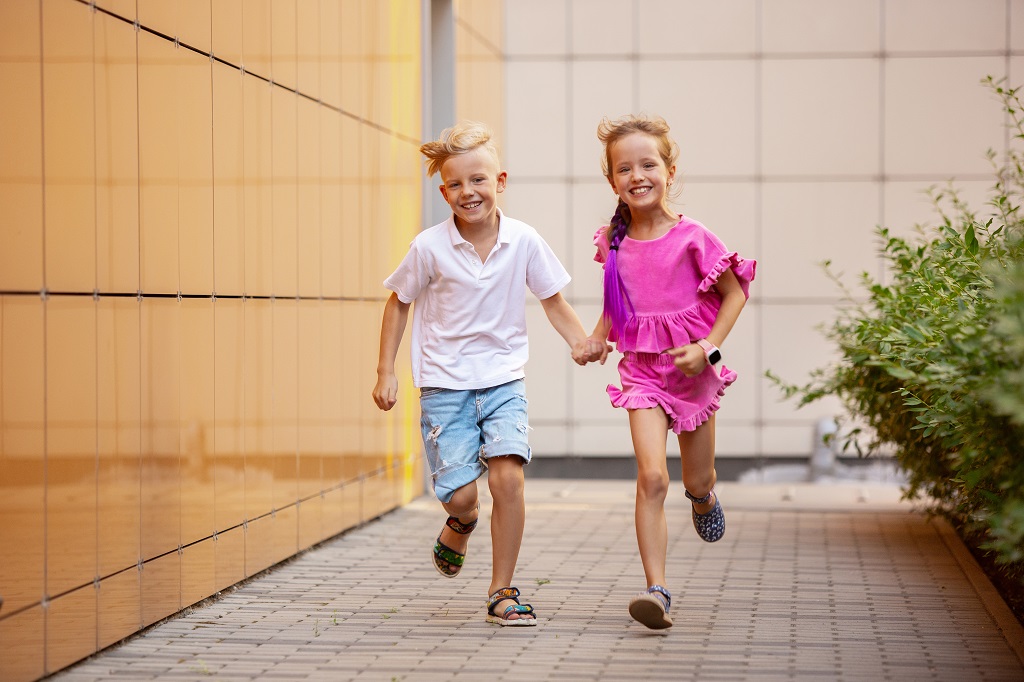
{"type": "Point", "coordinates": [671, 284]}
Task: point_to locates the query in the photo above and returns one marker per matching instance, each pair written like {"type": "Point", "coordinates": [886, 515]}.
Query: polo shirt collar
{"type": "Point", "coordinates": [503, 232]}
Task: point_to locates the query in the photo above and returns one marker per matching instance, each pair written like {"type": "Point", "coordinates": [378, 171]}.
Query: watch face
{"type": "Point", "coordinates": [714, 356]}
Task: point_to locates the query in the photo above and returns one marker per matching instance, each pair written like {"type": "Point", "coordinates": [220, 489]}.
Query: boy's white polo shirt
{"type": "Point", "coordinates": [469, 317]}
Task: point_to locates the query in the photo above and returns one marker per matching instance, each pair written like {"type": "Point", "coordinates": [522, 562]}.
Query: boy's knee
{"type": "Point", "coordinates": [463, 500]}
{"type": "Point", "coordinates": [505, 476]}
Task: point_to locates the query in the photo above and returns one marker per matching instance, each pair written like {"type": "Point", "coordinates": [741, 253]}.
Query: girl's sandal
{"type": "Point", "coordinates": [447, 561]}
{"type": "Point", "coordinates": [710, 525]}
{"type": "Point", "coordinates": [522, 609]}
{"type": "Point", "coordinates": [650, 608]}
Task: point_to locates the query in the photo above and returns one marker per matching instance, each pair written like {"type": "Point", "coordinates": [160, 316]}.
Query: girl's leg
{"type": "Point", "coordinates": [647, 428]}
{"type": "Point", "coordinates": [508, 517]}
{"type": "Point", "coordinates": [463, 506]}
{"type": "Point", "coordinates": [697, 450]}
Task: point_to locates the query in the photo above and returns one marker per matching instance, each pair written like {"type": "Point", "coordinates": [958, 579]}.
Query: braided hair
{"type": "Point", "coordinates": [617, 306]}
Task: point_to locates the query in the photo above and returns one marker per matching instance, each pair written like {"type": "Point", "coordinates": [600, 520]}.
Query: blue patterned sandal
{"type": "Point", "coordinates": [650, 608]}
{"type": "Point", "coordinates": [710, 525]}
{"type": "Point", "coordinates": [447, 561]}
{"type": "Point", "coordinates": [522, 609]}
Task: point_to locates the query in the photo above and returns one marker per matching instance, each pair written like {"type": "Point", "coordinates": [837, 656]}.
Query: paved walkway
{"type": "Point", "coordinates": [810, 582]}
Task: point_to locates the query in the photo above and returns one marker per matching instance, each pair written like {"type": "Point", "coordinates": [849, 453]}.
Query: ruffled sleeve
{"type": "Point", "coordinates": [601, 242]}
{"type": "Point", "coordinates": [741, 267]}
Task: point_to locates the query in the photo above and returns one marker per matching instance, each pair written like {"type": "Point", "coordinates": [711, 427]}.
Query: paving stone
{"type": "Point", "coordinates": [821, 587]}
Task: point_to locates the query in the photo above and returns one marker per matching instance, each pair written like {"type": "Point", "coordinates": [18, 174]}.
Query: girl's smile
{"type": "Point", "coordinates": [638, 174]}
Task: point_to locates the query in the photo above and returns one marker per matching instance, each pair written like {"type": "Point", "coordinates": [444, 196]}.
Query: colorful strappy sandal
{"type": "Point", "coordinates": [522, 609]}
{"type": "Point", "coordinates": [710, 525]}
{"type": "Point", "coordinates": [447, 561]}
{"type": "Point", "coordinates": [650, 608]}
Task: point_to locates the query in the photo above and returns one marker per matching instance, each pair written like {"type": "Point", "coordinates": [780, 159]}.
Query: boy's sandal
{"type": "Point", "coordinates": [710, 525]}
{"type": "Point", "coordinates": [523, 610]}
{"type": "Point", "coordinates": [447, 561]}
{"type": "Point", "coordinates": [651, 607]}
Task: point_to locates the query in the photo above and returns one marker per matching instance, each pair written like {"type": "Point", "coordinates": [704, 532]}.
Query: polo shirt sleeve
{"type": "Point", "coordinates": [545, 275]}
{"type": "Point", "coordinates": [411, 276]}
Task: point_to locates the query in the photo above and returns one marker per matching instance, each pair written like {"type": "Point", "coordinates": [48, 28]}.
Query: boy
{"type": "Point", "coordinates": [468, 277]}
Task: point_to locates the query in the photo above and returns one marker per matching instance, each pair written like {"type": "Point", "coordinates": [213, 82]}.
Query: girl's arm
{"type": "Point", "coordinates": [567, 323]}
{"type": "Point", "coordinates": [392, 328]}
{"type": "Point", "coordinates": [690, 358]}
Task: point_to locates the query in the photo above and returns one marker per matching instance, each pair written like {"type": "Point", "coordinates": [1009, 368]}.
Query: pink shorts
{"type": "Point", "coordinates": [653, 380]}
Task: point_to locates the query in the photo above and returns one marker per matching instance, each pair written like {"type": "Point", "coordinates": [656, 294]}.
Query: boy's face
{"type": "Point", "coordinates": [471, 184]}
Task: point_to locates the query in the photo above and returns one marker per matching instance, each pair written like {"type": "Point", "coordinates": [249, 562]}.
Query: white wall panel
{"type": "Point", "coordinates": [821, 26]}
{"type": "Point", "coordinates": [949, 26]}
{"type": "Point", "coordinates": [711, 107]}
{"type": "Point", "coordinates": [820, 117]}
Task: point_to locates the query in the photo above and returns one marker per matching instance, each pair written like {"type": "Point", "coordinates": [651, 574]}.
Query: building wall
{"type": "Point", "coordinates": [199, 201]}
{"type": "Point", "coordinates": [802, 125]}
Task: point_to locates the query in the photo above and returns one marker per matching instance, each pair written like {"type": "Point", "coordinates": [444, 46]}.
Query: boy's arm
{"type": "Point", "coordinates": [567, 323]}
{"type": "Point", "coordinates": [392, 328]}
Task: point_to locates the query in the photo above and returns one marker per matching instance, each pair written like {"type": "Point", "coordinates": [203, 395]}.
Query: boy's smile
{"type": "Point", "coordinates": [472, 182]}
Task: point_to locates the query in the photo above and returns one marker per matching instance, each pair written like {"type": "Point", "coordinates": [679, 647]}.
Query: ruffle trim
{"type": "Point", "coordinates": [679, 424]}
{"type": "Point", "coordinates": [656, 333]}
{"type": "Point", "coordinates": [743, 269]}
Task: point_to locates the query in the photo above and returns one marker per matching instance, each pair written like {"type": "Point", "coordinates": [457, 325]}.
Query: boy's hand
{"type": "Point", "coordinates": [689, 359]}
{"type": "Point", "coordinates": [579, 354]}
{"type": "Point", "coordinates": [385, 393]}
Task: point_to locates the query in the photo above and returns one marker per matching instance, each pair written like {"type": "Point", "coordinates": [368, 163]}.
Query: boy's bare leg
{"type": "Point", "coordinates": [508, 517]}
{"type": "Point", "coordinates": [647, 428]}
{"type": "Point", "coordinates": [462, 506]}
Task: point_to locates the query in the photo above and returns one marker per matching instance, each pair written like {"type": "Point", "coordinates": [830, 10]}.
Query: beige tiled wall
{"type": "Point", "coordinates": [196, 212]}
{"type": "Point", "coordinates": [802, 124]}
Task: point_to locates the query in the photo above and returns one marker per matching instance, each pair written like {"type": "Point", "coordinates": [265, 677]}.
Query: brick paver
{"type": "Point", "coordinates": [810, 582]}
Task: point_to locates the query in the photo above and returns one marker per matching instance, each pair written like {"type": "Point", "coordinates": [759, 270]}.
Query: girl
{"type": "Point", "coordinates": [672, 293]}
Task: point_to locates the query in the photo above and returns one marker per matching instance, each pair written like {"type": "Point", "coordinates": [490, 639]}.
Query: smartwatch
{"type": "Point", "coordinates": [711, 351]}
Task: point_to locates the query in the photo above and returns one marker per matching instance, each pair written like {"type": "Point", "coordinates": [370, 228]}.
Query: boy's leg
{"type": "Point", "coordinates": [450, 444]}
{"type": "Point", "coordinates": [508, 517]}
{"type": "Point", "coordinates": [463, 505]}
{"type": "Point", "coordinates": [647, 428]}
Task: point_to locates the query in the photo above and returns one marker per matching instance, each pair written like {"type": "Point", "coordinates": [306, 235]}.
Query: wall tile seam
{"type": "Point", "coordinates": [241, 68]}
{"type": "Point", "coordinates": [139, 566]}
{"type": "Point", "coordinates": [759, 57]}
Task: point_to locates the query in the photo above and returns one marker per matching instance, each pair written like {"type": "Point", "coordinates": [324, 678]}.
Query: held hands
{"type": "Point", "coordinates": [385, 393]}
{"type": "Point", "coordinates": [593, 349]}
{"type": "Point", "coordinates": [689, 359]}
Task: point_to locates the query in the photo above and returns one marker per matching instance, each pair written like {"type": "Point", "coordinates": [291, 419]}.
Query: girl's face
{"type": "Point", "coordinates": [472, 182]}
{"type": "Point", "coordinates": [638, 174]}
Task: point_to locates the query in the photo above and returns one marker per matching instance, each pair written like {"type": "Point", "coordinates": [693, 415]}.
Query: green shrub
{"type": "Point", "coordinates": [932, 362]}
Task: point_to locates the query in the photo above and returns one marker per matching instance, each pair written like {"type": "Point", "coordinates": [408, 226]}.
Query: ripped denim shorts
{"type": "Point", "coordinates": [463, 428]}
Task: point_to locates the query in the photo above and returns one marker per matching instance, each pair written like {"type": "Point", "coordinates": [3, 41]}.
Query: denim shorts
{"type": "Point", "coordinates": [462, 429]}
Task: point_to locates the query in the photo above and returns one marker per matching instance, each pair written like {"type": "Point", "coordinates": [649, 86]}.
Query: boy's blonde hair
{"type": "Point", "coordinates": [464, 136]}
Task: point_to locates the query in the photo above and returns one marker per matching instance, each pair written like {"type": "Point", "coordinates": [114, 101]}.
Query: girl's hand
{"type": "Point", "coordinates": [385, 393]}
{"type": "Point", "coordinates": [597, 349]}
{"type": "Point", "coordinates": [689, 359]}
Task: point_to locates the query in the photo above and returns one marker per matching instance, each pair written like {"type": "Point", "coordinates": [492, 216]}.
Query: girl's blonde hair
{"type": "Point", "coordinates": [610, 132]}
{"type": "Point", "coordinates": [464, 136]}
{"type": "Point", "coordinates": [618, 308]}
